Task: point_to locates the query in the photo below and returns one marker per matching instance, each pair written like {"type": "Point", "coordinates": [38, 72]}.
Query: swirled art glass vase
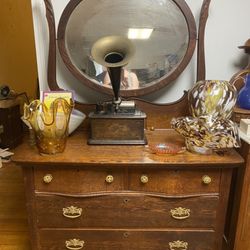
{"type": "Point", "coordinates": [49, 124]}
{"type": "Point", "coordinates": [212, 99]}
{"type": "Point", "coordinates": [209, 128]}
{"type": "Point", "coordinates": [243, 99]}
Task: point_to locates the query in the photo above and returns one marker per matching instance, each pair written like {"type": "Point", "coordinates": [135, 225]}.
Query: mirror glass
{"type": "Point", "coordinates": [157, 28]}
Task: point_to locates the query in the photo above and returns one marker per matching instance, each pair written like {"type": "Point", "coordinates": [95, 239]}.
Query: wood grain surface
{"type": "Point", "coordinates": [13, 215]}
{"type": "Point", "coordinates": [79, 152]}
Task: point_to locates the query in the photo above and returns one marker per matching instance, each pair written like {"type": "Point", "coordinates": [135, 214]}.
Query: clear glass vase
{"type": "Point", "coordinates": [49, 124]}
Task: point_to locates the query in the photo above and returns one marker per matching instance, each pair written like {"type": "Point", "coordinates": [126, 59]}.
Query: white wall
{"type": "Point", "coordinates": [227, 28]}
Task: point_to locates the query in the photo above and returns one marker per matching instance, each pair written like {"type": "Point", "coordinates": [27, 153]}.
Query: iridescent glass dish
{"type": "Point", "coordinates": [165, 148]}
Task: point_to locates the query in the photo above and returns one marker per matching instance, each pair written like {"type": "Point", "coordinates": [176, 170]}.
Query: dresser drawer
{"type": "Point", "coordinates": [78, 180]}
{"type": "Point", "coordinates": [126, 211]}
{"type": "Point", "coordinates": [174, 182]}
{"type": "Point", "coordinates": [125, 240]}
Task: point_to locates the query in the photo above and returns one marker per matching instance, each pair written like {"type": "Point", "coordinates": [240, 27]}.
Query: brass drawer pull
{"type": "Point", "coordinates": [144, 179]}
{"type": "Point", "coordinates": [109, 178]}
{"type": "Point", "coordinates": [180, 245]}
{"type": "Point", "coordinates": [74, 244]}
{"type": "Point", "coordinates": [206, 179]}
{"type": "Point", "coordinates": [47, 178]}
{"type": "Point", "coordinates": [72, 212]}
{"type": "Point", "coordinates": [180, 213]}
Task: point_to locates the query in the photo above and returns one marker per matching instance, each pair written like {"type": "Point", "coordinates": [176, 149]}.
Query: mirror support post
{"type": "Point", "coordinates": [201, 66]}
{"type": "Point", "coordinates": [51, 71]}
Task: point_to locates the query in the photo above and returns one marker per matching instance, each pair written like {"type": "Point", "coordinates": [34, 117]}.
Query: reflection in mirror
{"type": "Point", "coordinates": [157, 28]}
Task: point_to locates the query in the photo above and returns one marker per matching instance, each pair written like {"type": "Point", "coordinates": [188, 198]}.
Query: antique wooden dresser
{"type": "Point", "coordinates": [126, 197]}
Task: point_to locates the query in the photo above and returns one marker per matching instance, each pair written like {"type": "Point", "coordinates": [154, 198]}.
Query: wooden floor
{"type": "Point", "coordinates": [13, 216]}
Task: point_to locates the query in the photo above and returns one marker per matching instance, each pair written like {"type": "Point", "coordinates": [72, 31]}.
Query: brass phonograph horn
{"type": "Point", "coordinates": [113, 52]}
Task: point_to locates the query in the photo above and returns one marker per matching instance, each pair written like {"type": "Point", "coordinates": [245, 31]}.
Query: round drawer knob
{"type": "Point", "coordinates": [144, 179]}
{"type": "Point", "coordinates": [109, 178]}
{"type": "Point", "coordinates": [206, 179]}
{"type": "Point", "coordinates": [126, 234]}
{"type": "Point", "coordinates": [47, 178]}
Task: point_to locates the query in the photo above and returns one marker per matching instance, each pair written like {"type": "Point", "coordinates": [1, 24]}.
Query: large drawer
{"type": "Point", "coordinates": [126, 240]}
{"type": "Point", "coordinates": [126, 211]}
{"type": "Point", "coordinates": [78, 180]}
{"type": "Point", "coordinates": [174, 182]}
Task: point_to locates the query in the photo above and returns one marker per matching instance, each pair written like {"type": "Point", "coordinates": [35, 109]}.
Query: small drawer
{"type": "Point", "coordinates": [124, 240]}
{"type": "Point", "coordinates": [175, 182]}
{"type": "Point", "coordinates": [77, 180]}
{"type": "Point", "coordinates": [126, 211]}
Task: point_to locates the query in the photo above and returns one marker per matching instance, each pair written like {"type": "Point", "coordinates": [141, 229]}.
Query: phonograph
{"type": "Point", "coordinates": [117, 121]}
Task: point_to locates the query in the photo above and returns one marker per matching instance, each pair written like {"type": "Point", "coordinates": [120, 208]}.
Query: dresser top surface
{"type": "Point", "coordinates": [77, 151]}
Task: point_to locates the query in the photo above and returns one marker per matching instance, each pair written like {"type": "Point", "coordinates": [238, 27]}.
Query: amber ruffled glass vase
{"type": "Point", "coordinates": [49, 124]}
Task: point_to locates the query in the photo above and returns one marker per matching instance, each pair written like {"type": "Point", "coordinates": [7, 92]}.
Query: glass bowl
{"type": "Point", "coordinates": [76, 119]}
{"type": "Point", "coordinates": [165, 148]}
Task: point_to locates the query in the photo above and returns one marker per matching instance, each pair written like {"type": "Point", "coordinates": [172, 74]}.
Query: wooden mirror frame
{"type": "Point", "coordinates": [154, 85]}
{"type": "Point", "coordinates": [164, 111]}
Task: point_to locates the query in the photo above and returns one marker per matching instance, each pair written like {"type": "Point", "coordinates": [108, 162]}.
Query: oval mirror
{"type": "Point", "coordinates": [163, 33]}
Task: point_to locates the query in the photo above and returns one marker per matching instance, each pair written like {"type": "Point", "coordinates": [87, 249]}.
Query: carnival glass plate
{"type": "Point", "coordinates": [165, 148]}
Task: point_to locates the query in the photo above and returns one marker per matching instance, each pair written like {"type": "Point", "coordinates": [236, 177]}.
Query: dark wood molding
{"type": "Point", "coordinates": [51, 71]}
{"type": "Point", "coordinates": [201, 66]}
